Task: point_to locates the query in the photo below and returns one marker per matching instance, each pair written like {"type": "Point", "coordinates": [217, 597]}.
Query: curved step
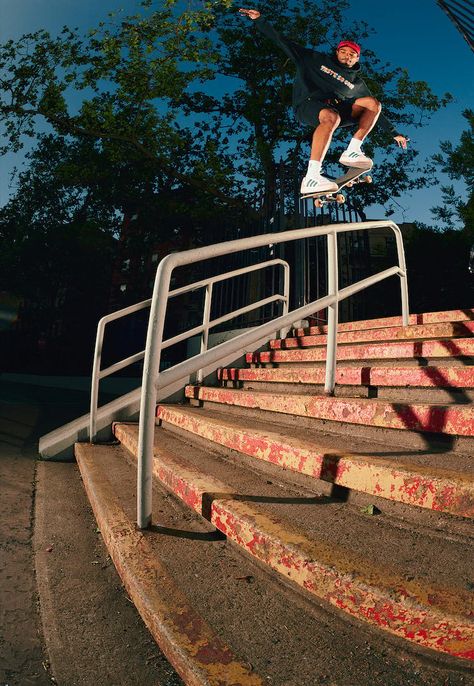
{"type": "Point", "coordinates": [198, 655]}
{"type": "Point", "coordinates": [396, 479]}
{"type": "Point", "coordinates": [457, 420]}
{"type": "Point", "coordinates": [424, 612]}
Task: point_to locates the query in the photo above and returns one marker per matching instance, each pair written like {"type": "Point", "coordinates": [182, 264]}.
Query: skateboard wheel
{"type": "Point", "coordinates": [368, 179]}
{"type": "Point", "coordinates": [340, 199]}
{"type": "Point", "coordinates": [318, 202]}
{"type": "Point", "coordinates": [350, 184]}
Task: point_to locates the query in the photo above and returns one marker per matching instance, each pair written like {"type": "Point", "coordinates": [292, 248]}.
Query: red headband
{"type": "Point", "coordinates": [351, 45]}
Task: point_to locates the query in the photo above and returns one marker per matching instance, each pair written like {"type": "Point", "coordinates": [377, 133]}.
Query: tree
{"type": "Point", "coordinates": [57, 250]}
{"type": "Point", "coordinates": [255, 108]}
{"type": "Point", "coordinates": [127, 77]}
{"type": "Point", "coordinates": [457, 163]}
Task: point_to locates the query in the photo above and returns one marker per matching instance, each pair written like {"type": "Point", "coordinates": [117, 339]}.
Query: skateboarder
{"type": "Point", "coordinates": [327, 93]}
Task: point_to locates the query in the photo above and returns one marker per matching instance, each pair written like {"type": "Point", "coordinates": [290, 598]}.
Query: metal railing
{"type": "Point", "coordinates": [211, 359]}
{"type": "Point", "coordinates": [202, 329]}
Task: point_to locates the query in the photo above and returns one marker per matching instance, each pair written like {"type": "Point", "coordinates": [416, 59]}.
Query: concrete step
{"type": "Point", "coordinates": [199, 656]}
{"type": "Point", "coordinates": [425, 318]}
{"type": "Point", "coordinates": [442, 485]}
{"type": "Point", "coordinates": [446, 330]}
{"type": "Point", "coordinates": [284, 637]}
{"type": "Point", "coordinates": [414, 350]}
{"type": "Point", "coordinates": [455, 420]}
{"type": "Point", "coordinates": [349, 562]}
{"type": "Point", "coordinates": [408, 377]}
{"type": "Point", "coordinates": [433, 384]}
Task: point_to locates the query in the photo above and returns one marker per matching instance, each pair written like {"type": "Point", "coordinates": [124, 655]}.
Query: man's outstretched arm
{"type": "Point", "coordinates": [292, 49]}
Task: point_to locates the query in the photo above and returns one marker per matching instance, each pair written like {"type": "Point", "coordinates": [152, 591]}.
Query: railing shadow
{"type": "Point", "coordinates": [209, 498]}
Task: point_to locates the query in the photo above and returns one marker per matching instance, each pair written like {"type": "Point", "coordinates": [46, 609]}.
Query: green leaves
{"type": "Point", "coordinates": [457, 163]}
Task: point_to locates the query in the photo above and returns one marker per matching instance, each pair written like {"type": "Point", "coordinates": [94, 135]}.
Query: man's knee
{"type": "Point", "coordinates": [329, 118]}
{"type": "Point", "coordinates": [377, 105]}
{"type": "Point", "coordinates": [373, 104]}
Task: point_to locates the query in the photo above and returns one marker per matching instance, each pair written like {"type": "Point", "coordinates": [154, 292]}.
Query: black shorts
{"type": "Point", "coordinates": [308, 111]}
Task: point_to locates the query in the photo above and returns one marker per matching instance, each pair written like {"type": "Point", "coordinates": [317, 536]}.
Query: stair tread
{"type": "Point", "coordinates": [453, 419]}
{"type": "Point", "coordinates": [359, 550]}
{"type": "Point", "coordinates": [286, 639]}
{"type": "Point", "coordinates": [446, 330]}
{"type": "Point", "coordinates": [435, 348]}
{"type": "Point", "coordinates": [434, 376]}
{"type": "Point", "coordinates": [423, 318]}
{"type": "Point", "coordinates": [444, 463]}
{"type": "Point", "coordinates": [436, 481]}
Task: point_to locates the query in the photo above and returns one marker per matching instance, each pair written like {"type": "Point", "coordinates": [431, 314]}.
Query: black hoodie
{"type": "Point", "coordinates": [320, 76]}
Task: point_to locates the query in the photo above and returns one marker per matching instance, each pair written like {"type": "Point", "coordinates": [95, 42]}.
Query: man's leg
{"type": "Point", "coordinates": [329, 120]}
{"type": "Point", "coordinates": [366, 111]}
{"type": "Point", "coordinates": [314, 181]}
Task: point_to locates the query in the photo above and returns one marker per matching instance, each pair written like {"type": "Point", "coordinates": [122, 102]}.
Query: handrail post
{"type": "Point", "coordinates": [95, 380]}
{"type": "Point", "coordinates": [206, 317]}
{"type": "Point", "coordinates": [151, 370]}
{"type": "Point", "coordinates": [286, 295]}
{"type": "Point", "coordinates": [333, 289]}
{"type": "Point", "coordinates": [403, 276]}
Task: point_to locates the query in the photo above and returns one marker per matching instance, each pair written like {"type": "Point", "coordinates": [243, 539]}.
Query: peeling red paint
{"type": "Point", "coordinates": [426, 331]}
{"type": "Point", "coordinates": [449, 419]}
{"type": "Point", "coordinates": [425, 318]}
{"type": "Point", "coordinates": [460, 347]}
{"type": "Point", "coordinates": [434, 489]}
{"type": "Point", "coordinates": [428, 376]}
{"type": "Point", "coordinates": [392, 606]}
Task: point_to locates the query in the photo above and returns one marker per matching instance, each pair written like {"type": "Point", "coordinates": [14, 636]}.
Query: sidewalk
{"type": "Point", "coordinates": [64, 615]}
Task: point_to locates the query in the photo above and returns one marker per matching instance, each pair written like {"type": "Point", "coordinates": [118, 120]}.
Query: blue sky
{"type": "Point", "coordinates": [416, 35]}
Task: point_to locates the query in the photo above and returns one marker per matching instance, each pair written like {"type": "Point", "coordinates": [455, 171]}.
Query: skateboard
{"type": "Point", "coordinates": [352, 177]}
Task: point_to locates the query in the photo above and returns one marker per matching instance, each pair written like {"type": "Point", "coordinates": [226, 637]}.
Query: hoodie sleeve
{"type": "Point", "coordinates": [291, 48]}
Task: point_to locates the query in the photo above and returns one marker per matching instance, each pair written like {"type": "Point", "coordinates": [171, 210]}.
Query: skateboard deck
{"type": "Point", "coordinates": [352, 177]}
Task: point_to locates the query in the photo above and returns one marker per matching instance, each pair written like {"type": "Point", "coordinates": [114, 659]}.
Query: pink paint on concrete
{"type": "Point", "coordinates": [447, 419]}
{"type": "Point", "coordinates": [427, 376]}
{"type": "Point", "coordinates": [430, 488]}
{"type": "Point", "coordinates": [460, 347]}
{"type": "Point", "coordinates": [426, 318]}
{"type": "Point", "coordinates": [426, 331]}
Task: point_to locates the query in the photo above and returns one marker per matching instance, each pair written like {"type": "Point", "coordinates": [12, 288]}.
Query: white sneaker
{"type": "Point", "coordinates": [352, 158]}
{"type": "Point", "coordinates": [317, 184]}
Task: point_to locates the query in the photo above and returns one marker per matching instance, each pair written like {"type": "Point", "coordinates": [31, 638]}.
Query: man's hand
{"type": "Point", "coordinates": [251, 14]}
{"type": "Point", "coordinates": [402, 141]}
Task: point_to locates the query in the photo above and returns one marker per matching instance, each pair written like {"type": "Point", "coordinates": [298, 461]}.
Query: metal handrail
{"type": "Point", "coordinates": [98, 373]}
{"type": "Point", "coordinates": [211, 358]}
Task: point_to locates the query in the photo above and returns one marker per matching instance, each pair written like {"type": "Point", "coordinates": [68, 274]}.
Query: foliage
{"type": "Point", "coordinates": [437, 265]}
{"type": "Point", "coordinates": [118, 87]}
{"type": "Point", "coordinates": [177, 112]}
{"type": "Point", "coordinates": [57, 250]}
{"type": "Point", "coordinates": [255, 109]}
{"type": "Point", "coordinates": [457, 163]}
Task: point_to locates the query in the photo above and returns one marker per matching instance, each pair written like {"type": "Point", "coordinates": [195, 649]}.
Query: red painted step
{"type": "Point", "coordinates": [376, 591]}
{"type": "Point", "coordinates": [446, 419]}
{"type": "Point", "coordinates": [432, 331]}
{"type": "Point", "coordinates": [429, 376]}
{"type": "Point", "coordinates": [425, 318]}
{"type": "Point", "coordinates": [459, 347]}
{"type": "Point", "coordinates": [397, 479]}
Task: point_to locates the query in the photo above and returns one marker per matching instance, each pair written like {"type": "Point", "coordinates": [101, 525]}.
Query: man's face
{"type": "Point", "coordinates": [347, 56]}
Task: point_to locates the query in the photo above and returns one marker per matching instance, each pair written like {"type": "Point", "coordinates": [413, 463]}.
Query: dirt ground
{"type": "Point", "coordinates": [64, 615]}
